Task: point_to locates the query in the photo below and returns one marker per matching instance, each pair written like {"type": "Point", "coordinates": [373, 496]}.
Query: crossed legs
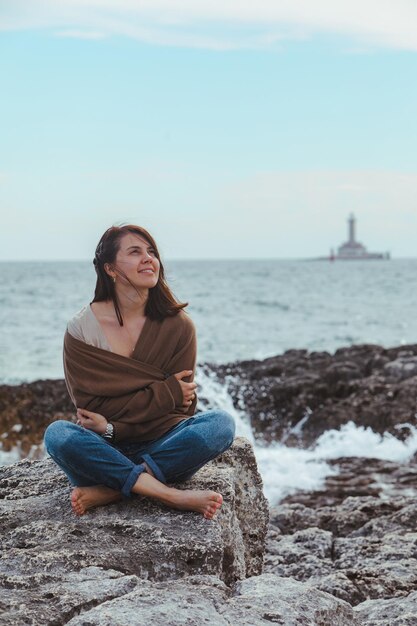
{"type": "Point", "coordinates": [102, 474]}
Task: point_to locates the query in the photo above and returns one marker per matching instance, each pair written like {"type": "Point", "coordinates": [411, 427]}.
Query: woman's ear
{"type": "Point", "coordinates": [109, 270]}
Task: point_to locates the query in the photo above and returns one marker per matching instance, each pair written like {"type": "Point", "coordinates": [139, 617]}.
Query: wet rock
{"type": "Point", "coordinates": [297, 396]}
{"type": "Point", "coordinates": [401, 368]}
{"type": "Point", "coordinates": [25, 412]}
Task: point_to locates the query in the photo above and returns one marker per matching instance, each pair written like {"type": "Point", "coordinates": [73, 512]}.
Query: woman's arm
{"type": "Point", "coordinates": [98, 423]}
{"type": "Point", "coordinates": [158, 399]}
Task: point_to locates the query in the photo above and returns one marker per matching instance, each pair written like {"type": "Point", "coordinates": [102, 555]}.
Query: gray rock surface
{"type": "Point", "coordinates": [357, 542]}
{"type": "Point", "coordinates": [137, 562]}
{"type": "Point", "coordinates": [394, 612]}
{"type": "Point", "coordinates": [259, 600]}
{"type": "Point", "coordinates": [44, 544]}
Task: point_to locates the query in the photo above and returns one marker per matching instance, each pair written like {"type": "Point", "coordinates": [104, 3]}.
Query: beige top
{"type": "Point", "coordinates": [85, 327]}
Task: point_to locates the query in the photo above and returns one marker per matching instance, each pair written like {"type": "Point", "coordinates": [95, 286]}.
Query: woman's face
{"type": "Point", "coordinates": [136, 259]}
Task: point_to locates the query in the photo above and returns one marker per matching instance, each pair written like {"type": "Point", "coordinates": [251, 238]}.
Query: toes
{"type": "Point", "coordinates": [76, 505]}
{"type": "Point", "coordinates": [216, 502]}
{"type": "Point", "coordinates": [210, 511]}
{"type": "Point", "coordinates": [78, 510]}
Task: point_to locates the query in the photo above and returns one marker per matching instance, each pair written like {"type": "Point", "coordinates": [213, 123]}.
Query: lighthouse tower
{"type": "Point", "coordinates": [352, 249]}
{"type": "Point", "coordinates": [352, 223]}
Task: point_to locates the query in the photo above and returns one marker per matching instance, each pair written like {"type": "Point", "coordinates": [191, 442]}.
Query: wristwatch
{"type": "Point", "coordinates": [109, 432]}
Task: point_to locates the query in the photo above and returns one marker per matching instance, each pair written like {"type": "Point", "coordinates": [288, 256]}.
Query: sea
{"type": "Point", "coordinates": [242, 309]}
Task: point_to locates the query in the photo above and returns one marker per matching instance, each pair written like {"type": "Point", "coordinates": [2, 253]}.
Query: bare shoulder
{"type": "Point", "coordinates": [102, 310]}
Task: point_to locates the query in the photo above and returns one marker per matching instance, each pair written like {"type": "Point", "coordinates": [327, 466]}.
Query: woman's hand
{"type": "Point", "coordinates": [91, 421]}
{"type": "Point", "coordinates": [188, 389]}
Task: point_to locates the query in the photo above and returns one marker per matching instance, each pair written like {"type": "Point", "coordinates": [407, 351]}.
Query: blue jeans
{"type": "Point", "coordinates": [88, 459]}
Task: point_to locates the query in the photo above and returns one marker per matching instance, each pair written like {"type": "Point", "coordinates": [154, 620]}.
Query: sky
{"type": "Point", "coordinates": [228, 129]}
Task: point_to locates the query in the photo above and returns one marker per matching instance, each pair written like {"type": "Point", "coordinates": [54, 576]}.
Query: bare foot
{"type": "Point", "coordinates": [84, 498]}
{"type": "Point", "coordinates": [205, 502]}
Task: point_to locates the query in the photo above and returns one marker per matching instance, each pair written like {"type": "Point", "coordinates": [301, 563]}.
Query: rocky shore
{"type": "Point", "coordinates": [345, 555]}
{"type": "Point", "coordinates": [295, 397]}
{"type": "Point", "coordinates": [138, 562]}
{"type": "Point", "coordinates": [356, 539]}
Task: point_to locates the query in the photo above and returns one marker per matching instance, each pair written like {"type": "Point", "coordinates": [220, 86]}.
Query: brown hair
{"type": "Point", "coordinates": [161, 301]}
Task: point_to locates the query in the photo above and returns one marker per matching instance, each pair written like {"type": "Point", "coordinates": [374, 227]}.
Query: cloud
{"type": "Point", "coordinates": [217, 24]}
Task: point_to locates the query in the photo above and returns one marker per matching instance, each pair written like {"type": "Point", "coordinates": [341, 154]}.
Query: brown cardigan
{"type": "Point", "coordinates": [139, 395]}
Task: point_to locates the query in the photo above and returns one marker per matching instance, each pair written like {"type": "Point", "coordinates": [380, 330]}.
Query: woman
{"type": "Point", "coordinates": [129, 361]}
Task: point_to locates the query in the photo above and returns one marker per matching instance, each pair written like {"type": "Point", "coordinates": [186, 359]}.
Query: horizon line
{"type": "Point", "coordinates": [193, 259]}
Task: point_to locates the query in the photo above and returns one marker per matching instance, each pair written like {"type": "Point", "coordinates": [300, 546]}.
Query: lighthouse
{"type": "Point", "coordinates": [352, 249]}
{"type": "Point", "coordinates": [351, 222]}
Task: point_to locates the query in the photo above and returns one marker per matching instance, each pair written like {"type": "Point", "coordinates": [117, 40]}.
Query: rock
{"type": "Point", "coordinates": [358, 476]}
{"type": "Point", "coordinates": [44, 544]}
{"type": "Point", "coordinates": [295, 397]}
{"type": "Point", "coordinates": [257, 601]}
{"type": "Point", "coordinates": [354, 540]}
{"type": "Point", "coordinates": [25, 412]}
{"type": "Point", "coordinates": [394, 612]}
{"type": "Point", "coordinates": [402, 368]}
{"type": "Point", "coordinates": [46, 598]}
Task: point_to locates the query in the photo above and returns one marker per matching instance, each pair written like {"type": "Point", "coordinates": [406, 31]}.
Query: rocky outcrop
{"type": "Point", "coordinates": [354, 539]}
{"type": "Point", "coordinates": [138, 562]}
{"type": "Point", "coordinates": [297, 396]}
{"type": "Point", "coordinates": [44, 544]}
{"type": "Point", "coordinates": [293, 397]}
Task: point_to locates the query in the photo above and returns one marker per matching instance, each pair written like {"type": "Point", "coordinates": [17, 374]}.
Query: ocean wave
{"type": "Point", "coordinates": [286, 470]}
{"type": "Point", "coordinates": [274, 304]}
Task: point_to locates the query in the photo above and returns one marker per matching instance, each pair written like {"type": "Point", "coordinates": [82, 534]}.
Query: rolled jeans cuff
{"type": "Point", "coordinates": [137, 470]}
{"type": "Point", "coordinates": [155, 469]}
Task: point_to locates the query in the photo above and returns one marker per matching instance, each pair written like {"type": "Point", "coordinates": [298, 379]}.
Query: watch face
{"type": "Point", "coordinates": [108, 434]}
